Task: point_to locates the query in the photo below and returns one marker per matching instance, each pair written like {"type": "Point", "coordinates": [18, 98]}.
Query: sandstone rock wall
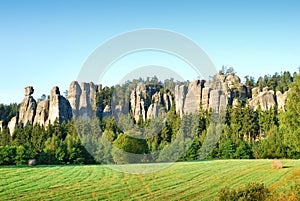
{"type": "Point", "coordinates": [59, 107]}
{"type": "Point", "coordinates": [193, 97]}
{"type": "Point", "coordinates": [265, 99]}
{"type": "Point", "coordinates": [82, 98]}
{"type": "Point", "coordinates": [146, 102]}
{"type": "Point", "coordinates": [180, 94]}
{"type": "Point", "coordinates": [42, 113]}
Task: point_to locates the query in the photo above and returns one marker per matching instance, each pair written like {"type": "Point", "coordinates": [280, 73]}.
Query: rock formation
{"type": "Point", "coordinates": [83, 98]}
{"type": "Point", "coordinates": [281, 99]}
{"type": "Point", "coordinates": [59, 107]}
{"type": "Point", "coordinates": [205, 96]}
{"type": "Point", "coordinates": [193, 97]}
{"type": "Point", "coordinates": [42, 113]}
{"type": "Point", "coordinates": [27, 108]}
{"type": "Point", "coordinates": [167, 101]}
{"type": "Point", "coordinates": [215, 94]}
{"type": "Point", "coordinates": [74, 94]}
{"type": "Point", "coordinates": [145, 102]}
{"type": "Point", "coordinates": [137, 102]}
{"type": "Point", "coordinates": [180, 94]}
{"type": "Point", "coordinates": [265, 99]}
{"type": "Point", "coordinates": [152, 111]}
{"type": "Point", "coordinates": [12, 125]}
{"type": "Point", "coordinates": [47, 111]}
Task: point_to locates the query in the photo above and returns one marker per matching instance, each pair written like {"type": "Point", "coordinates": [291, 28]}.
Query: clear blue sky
{"type": "Point", "coordinates": [45, 43]}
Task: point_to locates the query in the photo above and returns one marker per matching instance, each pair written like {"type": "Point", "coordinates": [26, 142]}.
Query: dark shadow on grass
{"type": "Point", "coordinates": [287, 166]}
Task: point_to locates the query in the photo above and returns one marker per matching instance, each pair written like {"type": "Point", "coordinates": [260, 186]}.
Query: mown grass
{"type": "Point", "coordinates": [181, 181]}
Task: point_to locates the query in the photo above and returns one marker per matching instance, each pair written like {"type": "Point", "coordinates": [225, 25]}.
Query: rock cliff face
{"type": "Point", "coordinates": [138, 98]}
{"type": "Point", "coordinates": [83, 98]}
{"type": "Point", "coordinates": [180, 94]}
{"type": "Point", "coordinates": [265, 99]}
{"type": "Point", "coordinates": [221, 91]}
{"type": "Point", "coordinates": [146, 102]}
{"type": "Point", "coordinates": [193, 96]}
{"type": "Point", "coordinates": [59, 107]}
{"type": "Point", "coordinates": [42, 113]}
{"type": "Point", "coordinates": [215, 94]}
{"type": "Point", "coordinates": [188, 98]}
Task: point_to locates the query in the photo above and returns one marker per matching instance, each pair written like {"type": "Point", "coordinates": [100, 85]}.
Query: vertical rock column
{"type": "Point", "coordinates": [59, 107]}
{"type": "Point", "coordinates": [193, 96]}
{"type": "Point", "coordinates": [180, 94]}
{"type": "Point", "coordinates": [27, 108]}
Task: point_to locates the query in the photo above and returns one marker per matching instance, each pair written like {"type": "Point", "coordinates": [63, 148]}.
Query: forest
{"type": "Point", "coordinates": [238, 132]}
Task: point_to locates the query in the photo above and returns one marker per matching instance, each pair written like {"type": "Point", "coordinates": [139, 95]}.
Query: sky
{"type": "Point", "coordinates": [46, 43]}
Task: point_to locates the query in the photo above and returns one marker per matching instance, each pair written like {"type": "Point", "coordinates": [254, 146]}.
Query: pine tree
{"type": "Point", "coordinates": [290, 121]}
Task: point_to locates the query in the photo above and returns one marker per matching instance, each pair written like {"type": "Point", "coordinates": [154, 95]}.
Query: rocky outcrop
{"type": "Point", "coordinates": [137, 102]}
{"type": "Point", "coordinates": [193, 97]}
{"type": "Point", "coordinates": [205, 96]}
{"type": "Point", "coordinates": [214, 94]}
{"type": "Point", "coordinates": [281, 100]}
{"type": "Point", "coordinates": [42, 113]}
{"type": "Point", "coordinates": [12, 125]}
{"type": "Point", "coordinates": [217, 100]}
{"type": "Point", "coordinates": [27, 107]}
{"type": "Point", "coordinates": [146, 102]}
{"type": "Point", "coordinates": [47, 111]}
{"type": "Point", "coordinates": [59, 107]}
{"type": "Point", "coordinates": [83, 98]}
{"type": "Point", "coordinates": [265, 99]}
{"type": "Point", "coordinates": [74, 94]}
{"type": "Point", "coordinates": [153, 111]}
{"type": "Point", "coordinates": [180, 94]}
{"type": "Point", "coordinates": [167, 101]}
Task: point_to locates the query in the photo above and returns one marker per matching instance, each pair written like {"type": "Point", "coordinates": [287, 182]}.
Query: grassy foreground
{"type": "Point", "coordinates": [180, 181]}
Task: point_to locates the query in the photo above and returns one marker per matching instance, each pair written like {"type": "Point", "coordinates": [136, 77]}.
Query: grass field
{"type": "Point", "coordinates": [180, 181]}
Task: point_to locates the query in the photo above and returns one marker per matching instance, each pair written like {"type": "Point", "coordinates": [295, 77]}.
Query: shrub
{"type": "Point", "coordinates": [250, 192]}
{"type": "Point", "coordinates": [128, 149]}
{"type": "Point", "coordinates": [7, 155]}
{"type": "Point", "coordinates": [21, 157]}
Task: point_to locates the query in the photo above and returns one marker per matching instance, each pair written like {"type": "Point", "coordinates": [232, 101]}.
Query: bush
{"type": "Point", "coordinates": [250, 192]}
{"type": "Point", "coordinates": [21, 157]}
{"type": "Point", "coordinates": [128, 149]}
{"type": "Point", "coordinates": [7, 155]}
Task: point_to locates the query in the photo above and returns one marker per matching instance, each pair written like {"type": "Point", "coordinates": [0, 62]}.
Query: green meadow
{"type": "Point", "coordinates": [180, 181]}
